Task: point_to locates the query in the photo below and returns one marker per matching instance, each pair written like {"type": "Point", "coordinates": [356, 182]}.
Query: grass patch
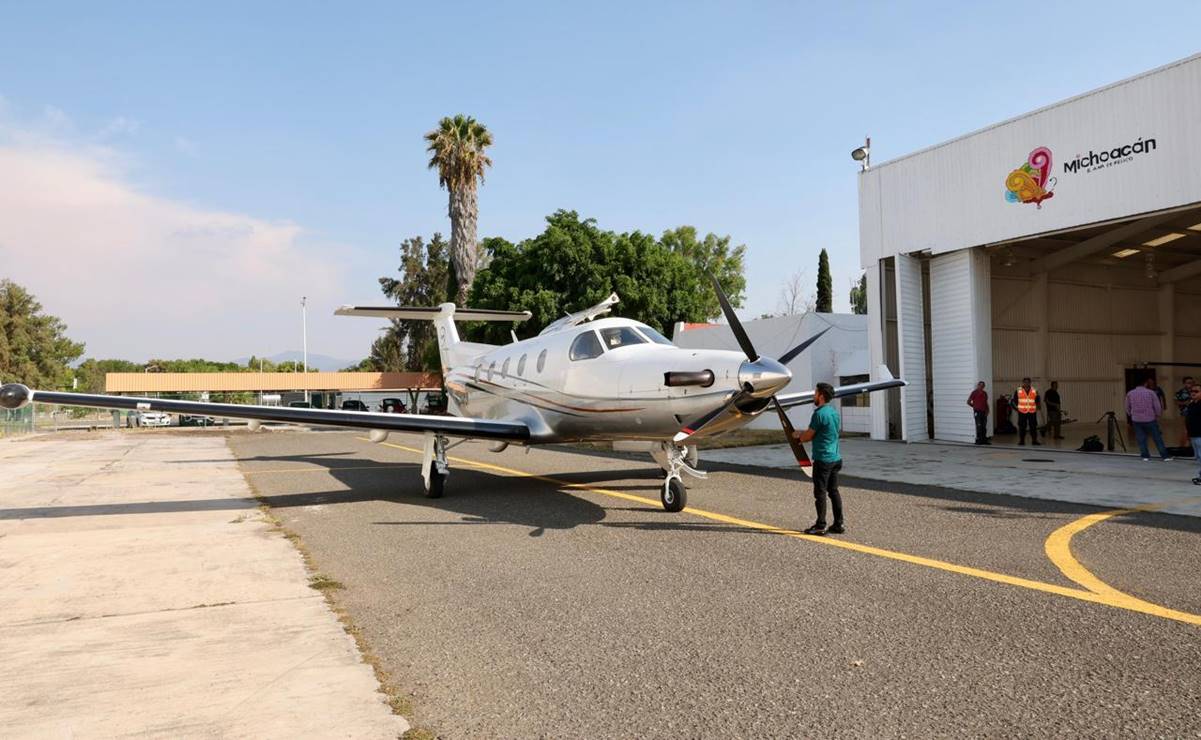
{"type": "Point", "coordinates": [323, 582]}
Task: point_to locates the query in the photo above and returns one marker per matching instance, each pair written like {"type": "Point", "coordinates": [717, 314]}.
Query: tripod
{"type": "Point", "coordinates": [1112, 428]}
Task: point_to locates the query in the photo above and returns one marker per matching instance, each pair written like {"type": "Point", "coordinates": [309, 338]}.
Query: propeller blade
{"type": "Point", "coordinates": [787, 356]}
{"type": "Point", "coordinates": [732, 319]}
{"type": "Point", "coordinates": [704, 421]}
{"type": "Point", "coordinates": [798, 447]}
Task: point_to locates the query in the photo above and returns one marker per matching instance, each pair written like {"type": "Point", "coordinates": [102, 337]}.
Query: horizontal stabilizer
{"type": "Point", "coordinates": [428, 313]}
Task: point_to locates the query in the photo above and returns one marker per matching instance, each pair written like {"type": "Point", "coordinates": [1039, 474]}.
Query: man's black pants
{"type": "Point", "coordinates": [1028, 421]}
{"type": "Point", "coordinates": [825, 483]}
{"type": "Point", "coordinates": [981, 426]}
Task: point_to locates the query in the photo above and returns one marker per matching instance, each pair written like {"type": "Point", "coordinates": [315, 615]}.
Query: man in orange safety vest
{"type": "Point", "coordinates": [1027, 401]}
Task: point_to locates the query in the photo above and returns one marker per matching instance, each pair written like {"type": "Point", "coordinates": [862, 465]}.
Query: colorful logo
{"type": "Point", "coordinates": [1031, 183]}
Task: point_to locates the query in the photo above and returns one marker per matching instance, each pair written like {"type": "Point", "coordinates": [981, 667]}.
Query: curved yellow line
{"type": "Point", "coordinates": [1059, 550]}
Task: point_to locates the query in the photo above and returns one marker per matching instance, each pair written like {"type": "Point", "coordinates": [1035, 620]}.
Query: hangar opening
{"type": "Point", "coordinates": [1063, 245]}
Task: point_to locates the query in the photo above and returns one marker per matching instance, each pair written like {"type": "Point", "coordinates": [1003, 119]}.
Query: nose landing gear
{"type": "Point", "coordinates": [675, 460]}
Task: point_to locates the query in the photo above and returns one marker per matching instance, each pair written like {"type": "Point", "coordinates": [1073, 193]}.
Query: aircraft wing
{"type": "Point", "coordinates": [788, 400]}
{"type": "Point", "coordinates": [15, 396]}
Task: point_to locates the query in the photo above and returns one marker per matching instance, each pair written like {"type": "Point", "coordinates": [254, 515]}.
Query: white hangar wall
{"type": "Point", "coordinates": [952, 196]}
{"type": "Point", "coordinates": [949, 303]}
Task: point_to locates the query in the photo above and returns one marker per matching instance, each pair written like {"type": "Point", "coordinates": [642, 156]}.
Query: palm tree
{"type": "Point", "coordinates": [457, 149]}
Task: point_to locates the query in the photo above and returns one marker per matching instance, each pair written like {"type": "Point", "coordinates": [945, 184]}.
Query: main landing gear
{"type": "Point", "coordinates": [433, 465]}
{"type": "Point", "coordinates": [676, 460]}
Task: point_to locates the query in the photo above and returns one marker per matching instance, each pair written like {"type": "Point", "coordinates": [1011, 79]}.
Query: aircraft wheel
{"type": "Point", "coordinates": [437, 483]}
{"type": "Point", "coordinates": [674, 496]}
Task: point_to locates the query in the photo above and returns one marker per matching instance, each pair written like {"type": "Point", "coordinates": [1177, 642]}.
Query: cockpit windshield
{"type": "Point", "coordinates": [654, 336]}
{"type": "Point", "coordinates": [620, 336]}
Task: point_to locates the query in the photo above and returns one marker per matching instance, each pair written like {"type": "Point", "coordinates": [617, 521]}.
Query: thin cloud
{"type": "Point", "coordinates": [135, 275]}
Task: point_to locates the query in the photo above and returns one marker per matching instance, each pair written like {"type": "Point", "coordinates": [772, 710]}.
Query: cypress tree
{"type": "Point", "coordinates": [825, 285]}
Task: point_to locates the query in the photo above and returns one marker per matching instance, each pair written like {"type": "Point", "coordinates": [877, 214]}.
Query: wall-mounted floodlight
{"type": "Point", "coordinates": [863, 155]}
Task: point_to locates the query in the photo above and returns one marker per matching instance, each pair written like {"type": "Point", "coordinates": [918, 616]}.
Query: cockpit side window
{"type": "Point", "coordinates": [620, 336]}
{"type": "Point", "coordinates": [586, 346]}
{"type": "Point", "coordinates": [654, 336]}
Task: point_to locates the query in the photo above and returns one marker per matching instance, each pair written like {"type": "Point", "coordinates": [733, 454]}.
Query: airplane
{"type": "Point", "coordinates": [582, 378]}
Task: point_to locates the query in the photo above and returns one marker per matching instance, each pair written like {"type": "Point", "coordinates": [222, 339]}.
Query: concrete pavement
{"type": "Point", "coordinates": [1119, 481]}
{"type": "Point", "coordinates": [145, 594]}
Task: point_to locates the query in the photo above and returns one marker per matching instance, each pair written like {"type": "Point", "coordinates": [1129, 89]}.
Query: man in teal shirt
{"type": "Point", "coordinates": [827, 461]}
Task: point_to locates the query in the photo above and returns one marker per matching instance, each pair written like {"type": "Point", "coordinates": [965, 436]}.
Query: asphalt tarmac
{"type": "Point", "coordinates": [550, 595]}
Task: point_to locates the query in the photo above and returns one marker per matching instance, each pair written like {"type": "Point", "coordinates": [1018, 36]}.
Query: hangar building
{"type": "Point", "coordinates": [1064, 244]}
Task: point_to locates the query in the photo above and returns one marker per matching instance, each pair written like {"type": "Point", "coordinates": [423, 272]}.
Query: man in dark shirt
{"type": "Point", "coordinates": [1054, 411]}
{"type": "Point", "coordinates": [1192, 424]}
{"type": "Point", "coordinates": [978, 400]}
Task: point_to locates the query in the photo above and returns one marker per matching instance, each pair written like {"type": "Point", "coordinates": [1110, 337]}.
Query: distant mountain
{"type": "Point", "coordinates": [321, 362]}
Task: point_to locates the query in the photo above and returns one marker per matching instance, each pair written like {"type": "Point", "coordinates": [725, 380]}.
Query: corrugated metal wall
{"type": "Point", "coordinates": [959, 310]}
{"type": "Point", "coordinates": [911, 337]}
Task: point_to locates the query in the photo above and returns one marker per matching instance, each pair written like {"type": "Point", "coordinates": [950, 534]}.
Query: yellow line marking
{"type": "Point", "coordinates": [1107, 598]}
{"type": "Point", "coordinates": [1059, 549]}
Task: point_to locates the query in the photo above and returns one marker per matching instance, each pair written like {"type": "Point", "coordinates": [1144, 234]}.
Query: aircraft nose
{"type": "Point", "coordinates": [764, 377]}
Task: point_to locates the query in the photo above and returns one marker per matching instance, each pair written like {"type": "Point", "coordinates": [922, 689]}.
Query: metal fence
{"type": "Point", "coordinates": [16, 421]}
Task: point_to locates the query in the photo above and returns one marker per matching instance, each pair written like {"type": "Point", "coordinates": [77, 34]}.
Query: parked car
{"type": "Point", "coordinates": [153, 419]}
{"type": "Point", "coordinates": [392, 406]}
{"type": "Point", "coordinates": [354, 404]}
{"type": "Point", "coordinates": [300, 405]}
{"type": "Point", "coordinates": [192, 420]}
{"type": "Point", "coordinates": [435, 403]}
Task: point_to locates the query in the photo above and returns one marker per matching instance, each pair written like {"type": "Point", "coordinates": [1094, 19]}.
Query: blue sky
{"type": "Point", "coordinates": [300, 124]}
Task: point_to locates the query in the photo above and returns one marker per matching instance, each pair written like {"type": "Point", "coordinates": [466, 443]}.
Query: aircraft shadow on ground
{"type": "Point", "coordinates": [981, 503]}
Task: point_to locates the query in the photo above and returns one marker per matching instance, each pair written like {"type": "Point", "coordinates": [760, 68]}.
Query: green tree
{"type": "Point", "coordinates": [457, 150]}
{"type": "Point", "coordinates": [713, 255]}
{"type": "Point", "coordinates": [34, 348]}
{"type": "Point", "coordinates": [825, 285]}
{"type": "Point", "coordinates": [574, 264]}
{"type": "Point", "coordinates": [859, 295]}
{"type": "Point", "coordinates": [90, 373]}
{"type": "Point", "coordinates": [423, 282]}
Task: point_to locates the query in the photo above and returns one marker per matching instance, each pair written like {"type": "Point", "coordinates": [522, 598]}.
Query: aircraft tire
{"type": "Point", "coordinates": [674, 496]}
{"type": "Point", "coordinates": [437, 483]}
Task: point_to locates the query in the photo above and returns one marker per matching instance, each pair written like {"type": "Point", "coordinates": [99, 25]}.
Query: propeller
{"type": "Point", "coordinates": [760, 377]}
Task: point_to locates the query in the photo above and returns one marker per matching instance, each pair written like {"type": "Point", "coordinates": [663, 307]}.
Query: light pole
{"type": "Point", "coordinates": [304, 323]}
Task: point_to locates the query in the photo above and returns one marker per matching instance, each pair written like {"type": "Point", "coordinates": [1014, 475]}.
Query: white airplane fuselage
{"type": "Point", "coordinates": [619, 394]}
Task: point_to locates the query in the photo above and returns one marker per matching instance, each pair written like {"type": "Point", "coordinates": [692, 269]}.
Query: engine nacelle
{"type": "Point", "coordinates": [377, 435]}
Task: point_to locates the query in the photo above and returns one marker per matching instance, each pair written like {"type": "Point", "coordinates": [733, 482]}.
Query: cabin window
{"type": "Point", "coordinates": [491, 369]}
{"type": "Point", "coordinates": [620, 336]}
{"type": "Point", "coordinates": [521, 366]}
{"type": "Point", "coordinates": [504, 369]}
{"type": "Point", "coordinates": [541, 360]}
{"type": "Point", "coordinates": [586, 346]}
{"type": "Point", "coordinates": [654, 336]}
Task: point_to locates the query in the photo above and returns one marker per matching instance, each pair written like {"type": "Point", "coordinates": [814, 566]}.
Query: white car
{"type": "Point", "coordinates": [153, 419]}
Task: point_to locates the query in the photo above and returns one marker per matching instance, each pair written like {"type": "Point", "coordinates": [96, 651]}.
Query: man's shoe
{"type": "Point", "coordinates": [988, 441]}
{"type": "Point", "coordinates": [1197, 481]}
{"type": "Point", "coordinates": [836, 529]}
{"type": "Point", "coordinates": [1037, 444]}
{"type": "Point", "coordinates": [1146, 459]}
{"type": "Point", "coordinates": [816, 530]}
{"type": "Point", "coordinates": [1167, 459]}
